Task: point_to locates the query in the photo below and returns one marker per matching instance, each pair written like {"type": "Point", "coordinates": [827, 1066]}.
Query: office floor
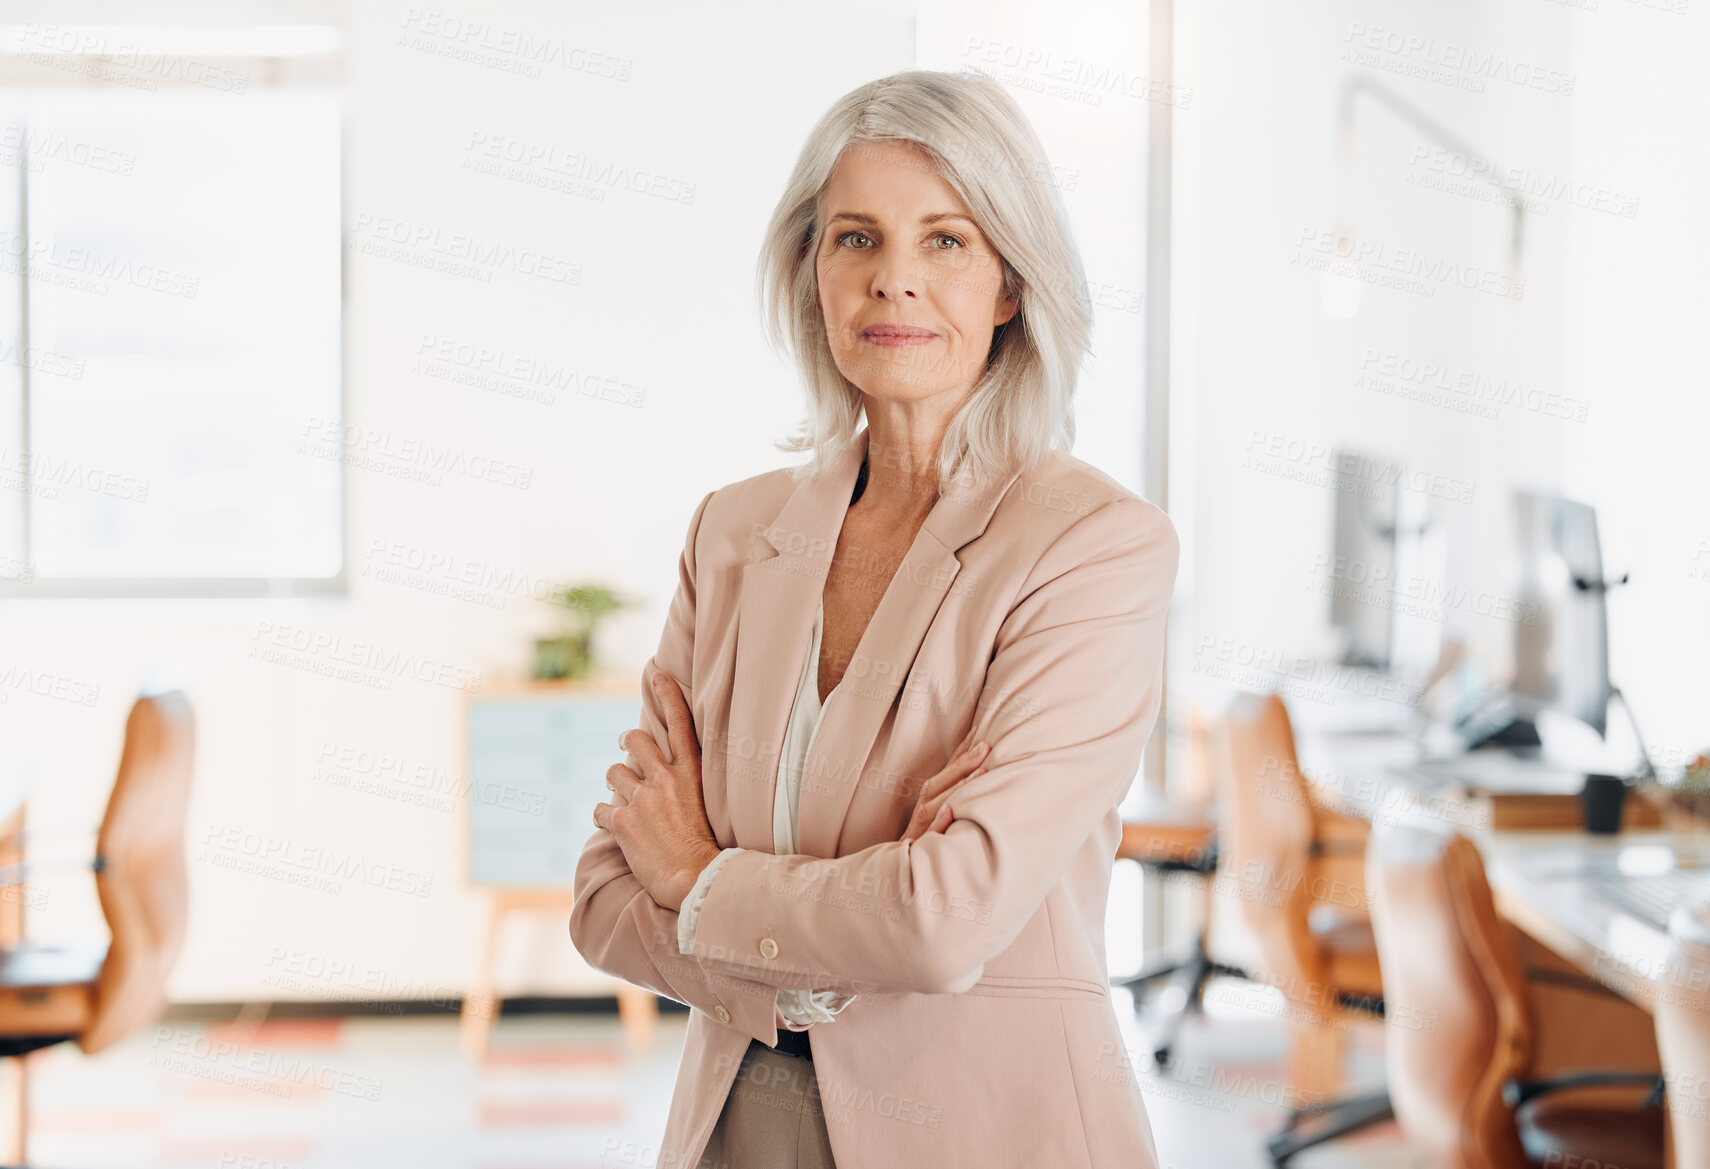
{"type": "Point", "coordinates": [557, 1092]}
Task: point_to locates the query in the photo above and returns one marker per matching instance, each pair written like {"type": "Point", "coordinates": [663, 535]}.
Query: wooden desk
{"type": "Point", "coordinates": [1158, 829]}
{"type": "Point", "coordinates": [1533, 873]}
{"type": "Point", "coordinates": [1546, 882]}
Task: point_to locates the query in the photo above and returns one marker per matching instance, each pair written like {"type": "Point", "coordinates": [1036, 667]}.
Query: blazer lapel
{"type": "Point", "coordinates": [781, 586]}
{"type": "Point", "coordinates": [857, 709]}
{"type": "Point", "coordinates": [779, 595]}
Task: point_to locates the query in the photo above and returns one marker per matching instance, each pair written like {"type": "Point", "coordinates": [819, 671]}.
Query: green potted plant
{"type": "Point", "coordinates": [570, 653]}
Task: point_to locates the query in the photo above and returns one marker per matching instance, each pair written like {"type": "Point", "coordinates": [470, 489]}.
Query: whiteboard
{"type": "Point", "coordinates": [537, 767]}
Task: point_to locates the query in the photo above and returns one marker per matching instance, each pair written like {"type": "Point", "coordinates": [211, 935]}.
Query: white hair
{"type": "Point", "coordinates": [982, 145]}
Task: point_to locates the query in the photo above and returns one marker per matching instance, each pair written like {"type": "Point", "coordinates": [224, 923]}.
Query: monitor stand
{"type": "Point", "coordinates": [1498, 721]}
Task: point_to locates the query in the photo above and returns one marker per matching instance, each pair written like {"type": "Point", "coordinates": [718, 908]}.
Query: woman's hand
{"type": "Point", "coordinates": [662, 828]}
{"type": "Point", "coordinates": [932, 813]}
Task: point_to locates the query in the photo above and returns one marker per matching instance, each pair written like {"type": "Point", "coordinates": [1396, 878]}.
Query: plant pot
{"type": "Point", "coordinates": [561, 658]}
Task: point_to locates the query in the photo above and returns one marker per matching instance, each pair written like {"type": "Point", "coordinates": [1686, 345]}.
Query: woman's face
{"type": "Point", "coordinates": [910, 289]}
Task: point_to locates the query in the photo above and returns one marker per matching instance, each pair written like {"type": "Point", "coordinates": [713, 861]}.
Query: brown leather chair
{"type": "Point", "coordinates": [1490, 1063]}
{"type": "Point", "coordinates": [1296, 868]}
{"type": "Point", "coordinates": [96, 993]}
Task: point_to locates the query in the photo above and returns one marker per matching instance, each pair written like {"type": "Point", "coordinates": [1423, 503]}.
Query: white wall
{"type": "Point", "coordinates": [1639, 297]}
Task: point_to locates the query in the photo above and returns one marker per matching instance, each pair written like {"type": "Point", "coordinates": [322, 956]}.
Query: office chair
{"type": "Point", "coordinates": [1296, 868]}
{"type": "Point", "coordinates": [96, 993]}
{"type": "Point", "coordinates": [1192, 850]}
{"type": "Point", "coordinates": [1682, 1012]}
{"type": "Point", "coordinates": [1486, 1058]}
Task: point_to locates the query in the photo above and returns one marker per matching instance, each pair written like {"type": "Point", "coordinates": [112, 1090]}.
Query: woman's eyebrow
{"type": "Point", "coordinates": [869, 221]}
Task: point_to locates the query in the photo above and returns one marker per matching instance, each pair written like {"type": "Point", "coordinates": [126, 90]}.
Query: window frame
{"type": "Point", "coordinates": [321, 72]}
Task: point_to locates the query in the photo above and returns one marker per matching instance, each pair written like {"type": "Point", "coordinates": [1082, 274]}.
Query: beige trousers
{"type": "Point", "coordinates": [772, 1118]}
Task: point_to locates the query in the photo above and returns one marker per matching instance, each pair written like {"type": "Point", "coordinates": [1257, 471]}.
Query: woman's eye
{"type": "Point", "coordinates": [951, 238]}
{"type": "Point", "coordinates": [850, 235]}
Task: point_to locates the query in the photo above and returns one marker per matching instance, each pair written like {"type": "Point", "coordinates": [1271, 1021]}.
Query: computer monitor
{"type": "Point", "coordinates": [1363, 574]}
{"type": "Point", "coordinates": [1561, 642]}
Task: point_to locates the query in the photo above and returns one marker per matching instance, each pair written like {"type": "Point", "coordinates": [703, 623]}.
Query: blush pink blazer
{"type": "Point", "coordinates": [1032, 611]}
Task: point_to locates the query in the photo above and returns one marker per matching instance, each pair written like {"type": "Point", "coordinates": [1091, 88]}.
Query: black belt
{"type": "Point", "coordinates": [793, 1043]}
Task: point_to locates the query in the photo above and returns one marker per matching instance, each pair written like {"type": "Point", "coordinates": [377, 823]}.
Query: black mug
{"type": "Point", "coordinates": [1603, 798]}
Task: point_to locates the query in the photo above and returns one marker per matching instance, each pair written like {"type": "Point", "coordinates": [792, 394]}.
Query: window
{"type": "Point", "coordinates": [170, 327]}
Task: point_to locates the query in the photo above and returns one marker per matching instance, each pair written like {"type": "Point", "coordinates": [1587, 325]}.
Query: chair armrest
{"type": "Point", "coordinates": [1171, 846]}
{"type": "Point", "coordinates": [19, 873]}
{"type": "Point", "coordinates": [1517, 1092]}
{"type": "Point", "coordinates": [1568, 980]}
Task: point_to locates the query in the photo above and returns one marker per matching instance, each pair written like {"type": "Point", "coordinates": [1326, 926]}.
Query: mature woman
{"type": "Point", "coordinates": [867, 827]}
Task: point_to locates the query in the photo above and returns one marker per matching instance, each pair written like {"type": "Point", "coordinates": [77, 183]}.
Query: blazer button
{"type": "Point", "coordinates": [723, 1015]}
{"type": "Point", "coordinates": [768, 948]}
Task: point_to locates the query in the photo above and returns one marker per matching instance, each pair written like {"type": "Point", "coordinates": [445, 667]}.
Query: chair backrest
{"type": "Point", "coordinates": [142, 881]}
{"type": "Point", "coordinates": [1265, 831]}
{"type": "Point", "coordinates": [1682, 1012]}
{"type": "Point", "coordinates": [1201, 785]}
{"type": "Point", "coordinates": [1458, 1026]}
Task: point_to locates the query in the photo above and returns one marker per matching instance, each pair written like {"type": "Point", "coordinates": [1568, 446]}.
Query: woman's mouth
{"type": "Point", "coordinates": [896, 336]}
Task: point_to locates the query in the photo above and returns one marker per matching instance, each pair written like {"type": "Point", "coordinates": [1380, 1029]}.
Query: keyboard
{"type": "Point", "coordinates": [1502, 774]}
{"type": "Point", "coordinates": [1651, 898]}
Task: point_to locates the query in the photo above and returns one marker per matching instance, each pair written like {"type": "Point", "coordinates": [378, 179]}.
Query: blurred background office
{"type": "Point", "coordinates": [361, 364]}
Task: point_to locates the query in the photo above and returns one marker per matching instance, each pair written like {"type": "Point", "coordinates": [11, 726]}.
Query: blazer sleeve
{"type": "Point", "coordinates": [614, 922]}
{"type": "Point", "coordinates": [1070, 695]}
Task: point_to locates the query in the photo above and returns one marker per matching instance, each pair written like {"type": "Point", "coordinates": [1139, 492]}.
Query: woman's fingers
{"type": "Point", "coordinates": [955, 771]}
{"type": "Point", "coordinates": [622, 780]}
{"type": "Point", "coordinates": [929, 805]}
{"type": "Point", "coordinates": [928, 812]}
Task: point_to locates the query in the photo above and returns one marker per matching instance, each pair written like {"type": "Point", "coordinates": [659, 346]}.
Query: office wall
{"type": "Point", "coordinates": [1635, 345]}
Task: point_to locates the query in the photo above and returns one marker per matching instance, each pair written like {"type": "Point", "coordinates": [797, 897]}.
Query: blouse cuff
{"type": "Point", "coordinates": [802, 1008]}
{"type": "Point", "coordinates": [690, 913]}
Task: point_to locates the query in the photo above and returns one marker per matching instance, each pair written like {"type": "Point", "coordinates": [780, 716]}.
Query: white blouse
{"type": "Point", "coordinates": [798, 1007]}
